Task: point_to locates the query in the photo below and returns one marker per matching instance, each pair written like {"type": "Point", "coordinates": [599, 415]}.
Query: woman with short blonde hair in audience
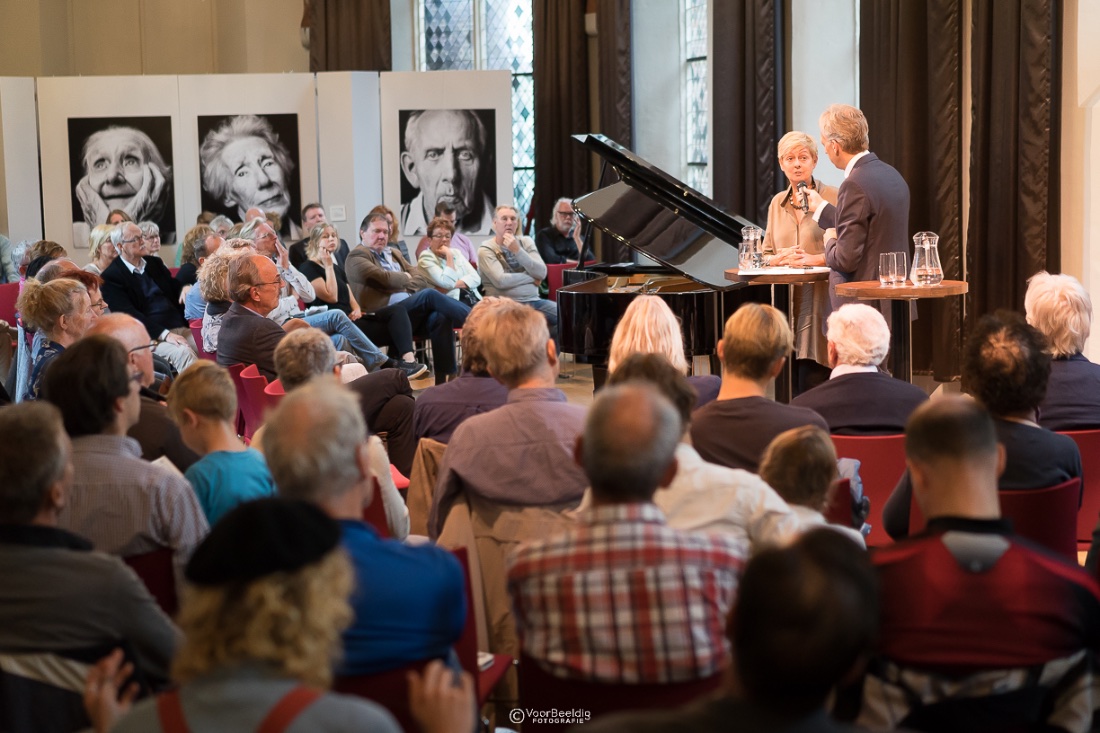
{"type": "Point", "coordinates": [100, 249]}
{"type": "Point", "coordinates": [1060, 308]}
{"type": "Point", "coordinates": [650, 327]}
{"type": "Point", "coordinates": [213, 284]}
{"type": "Point", "coordinates": [62, 312]}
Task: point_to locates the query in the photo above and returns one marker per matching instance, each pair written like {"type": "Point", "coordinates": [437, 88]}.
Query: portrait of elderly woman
{"type": "Point", "coordinates": [251, 161]}
{"type": "Point", "coordinates": [447, 157]}
{"type": "Point", "coordinates": [123, 164]}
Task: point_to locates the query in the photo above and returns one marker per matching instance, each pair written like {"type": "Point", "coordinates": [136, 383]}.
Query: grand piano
{"type": "Point", "coordinates": [654, 214]}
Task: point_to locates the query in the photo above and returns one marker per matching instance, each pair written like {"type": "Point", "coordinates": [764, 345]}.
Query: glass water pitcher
{"type": "Point", "coordinates": [751, 253]}
{"type": "Point", "coordinates": [926, 268]}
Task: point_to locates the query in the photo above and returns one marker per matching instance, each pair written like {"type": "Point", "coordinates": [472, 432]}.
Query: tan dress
{"type": "Point", "coordinates": [809, 303]}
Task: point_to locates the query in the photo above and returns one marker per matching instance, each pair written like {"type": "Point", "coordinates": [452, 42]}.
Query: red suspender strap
{"type": "Point", "coordinates": [170, 713]}
{"type": "Point", "coordinates": [286, 710]}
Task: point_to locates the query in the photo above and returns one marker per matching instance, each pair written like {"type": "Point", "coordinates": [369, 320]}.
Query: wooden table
{"type": "Point", "coordinates": [901, 328]}
{"type": "Point", "coordinates": [781, 299]}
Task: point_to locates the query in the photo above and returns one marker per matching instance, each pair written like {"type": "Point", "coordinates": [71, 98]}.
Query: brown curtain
{"type": "Point", "coordinates": [748, 115]}
{"type": "Point", "coordinates": [350, 35]}
{"type": "Point", "coordinates": [911, 92]}
{"type": "Point", "coordinates": [561, 103]}
{"type": "Point", "coordinates": [1014, 167]}
{"type": "Point", "coordinates": [616, 79]}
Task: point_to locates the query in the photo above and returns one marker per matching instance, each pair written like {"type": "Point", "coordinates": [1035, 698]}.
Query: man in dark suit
{"type": "Point", "coordinates": [871, 215]}
{"type": "Point", "coordinates": [142, 286]}
{"type": "Point", "coordinates": [858, 399]}
{"type": "Point", "coordinates": [247, 335]}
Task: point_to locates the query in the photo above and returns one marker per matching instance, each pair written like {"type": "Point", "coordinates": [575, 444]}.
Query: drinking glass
{"type": "Point", "coordinates": [900, 268]}
{"type": "Point", "coordinates": [886, 265]}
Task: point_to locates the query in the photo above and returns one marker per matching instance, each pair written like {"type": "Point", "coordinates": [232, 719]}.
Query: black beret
{"type": "Point", "coordinates": [262, 537]}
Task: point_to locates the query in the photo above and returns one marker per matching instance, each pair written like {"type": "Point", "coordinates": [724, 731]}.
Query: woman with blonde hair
{"type": "Point", "coordinates": [61, 311]}
{"type": "Point", "coordinates": [266, 601]}
{"type": "Point", "coordinates": [101, 250]}
{"type": "Point", "coordinates": [793, 237]}
{"type": "Point", "coordinates": [650, 327]}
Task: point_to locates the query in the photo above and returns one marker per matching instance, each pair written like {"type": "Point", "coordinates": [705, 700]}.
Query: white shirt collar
{"type": "Point", "coordinates": [841, 369]}
{"type": "Point", "coordinates": [852, 162]}
{"type": "Point", "coordinates": [139, 270]}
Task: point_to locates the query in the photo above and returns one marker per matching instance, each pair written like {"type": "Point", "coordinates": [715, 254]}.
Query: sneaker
{"type": "Point", "coordinates": [412, 369]}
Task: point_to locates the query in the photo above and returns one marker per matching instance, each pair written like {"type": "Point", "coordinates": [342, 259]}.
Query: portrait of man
{"type": "Point", "coordinates": [251, 161]}
{"type": "Point", "coordinates": [447, 156]}
{"type": "Point", "coordinates": [121, 163]}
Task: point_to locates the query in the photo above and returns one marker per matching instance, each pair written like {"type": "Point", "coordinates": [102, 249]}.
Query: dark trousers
{"type": "Point", "coordinates": [426, 312]}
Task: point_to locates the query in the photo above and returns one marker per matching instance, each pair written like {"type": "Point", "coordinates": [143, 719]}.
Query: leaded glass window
{"type": "Point", "coordinates": [693, 46]}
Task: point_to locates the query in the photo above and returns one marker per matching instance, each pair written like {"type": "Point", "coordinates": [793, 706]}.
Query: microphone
{"type": "Point", "coordinates": [805, 199]}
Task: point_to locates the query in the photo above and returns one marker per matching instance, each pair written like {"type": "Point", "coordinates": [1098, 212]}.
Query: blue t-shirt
{"type": "Point", "coordinates": [194, 307]}
{"type": "Point", "coordinates": [409, 602]}
{"type": "Point", "coordinates": [224, 479]}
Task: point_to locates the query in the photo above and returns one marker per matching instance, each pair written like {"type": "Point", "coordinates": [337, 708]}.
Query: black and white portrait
{"type": "Point", "coordinates": [447, 156]}
{"type": "Point", "coordinates": [251, 161]}
{"type": "Point", "coordinates": [121, 163]}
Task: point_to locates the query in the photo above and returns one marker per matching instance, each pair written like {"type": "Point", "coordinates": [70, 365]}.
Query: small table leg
{"type": "Point", "coordinates": [784, 383]}
{"type": "Point", "coordinates": [901, 333]}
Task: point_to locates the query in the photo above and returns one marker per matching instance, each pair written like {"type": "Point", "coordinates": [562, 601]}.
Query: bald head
{"type": "Point", "coordinates": [129, 332]}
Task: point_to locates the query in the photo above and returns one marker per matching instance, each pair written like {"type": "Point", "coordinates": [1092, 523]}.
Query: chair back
{"type": "Point", "coordinates": [390, 689]}
{"type": "Point", "coordinates": [9, 293]}
{"type": "Point", "coordinates": [255, 402]}
{"type": "Point", "coordinates": [554, 276]}
{"type": "Point", "coordinates": [374, 513]}
{"type": "Point", "coordinates": [1088, 514]}
{"type": "Point", "coordinates": [839, 508]}
{"type": "Point", "coordinates": [540, 690]}
{"type": "Point", "coordinates": [159, 575]}
{"type": "Point", "coordinates": [273, 394]}
{"type": "Point", "coordinates": [196, 332]}
{"type": "Point", "coordinates": [466, 646]}
{"type": "Point", "coordinates": [1045, 516]}
{"type": "Point", "coordinates": [235, 372]}
{"type": "Point", "coordinates": [881, 463]}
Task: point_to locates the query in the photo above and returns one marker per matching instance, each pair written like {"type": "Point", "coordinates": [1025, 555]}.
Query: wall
{"type": "Point", "coordinates": [131, 37]}
{"type": "Point", "coordinates": [20, 197]}
{"type": "Point", "coordinates": [1081, 151]}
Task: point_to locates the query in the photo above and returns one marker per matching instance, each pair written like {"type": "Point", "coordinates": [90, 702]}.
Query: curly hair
{"type": "Point", "coordinates": [43, 304]}
{"type": "Point", "coordinates": [214, 273]}
{"type": "Point", "coordinates": [290, 621]}
{"type": "Point", "coordinates": [195, 236]}
{"type": "Point", "coordinates": [1005, 364]}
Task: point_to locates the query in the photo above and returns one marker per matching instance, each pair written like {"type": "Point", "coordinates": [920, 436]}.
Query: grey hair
{"type": "Point", "coordinates": [1060, 308]}
{"type": "Point", "coordinates": [248, 231]}
{"type": "Point", "coordinates": [303, 355]}
{"type": "Point", "coordinates": [312, 441]}
{"type": "Point", "coordinates": [34, 452]}
{"type": "Point", "coordinates": [630, 439]}
{"type": "Point", "coordinates": [220, 220]}
{"type": "Point", "coordinates": [149, 228]}
{"type": "Point", "coordinates": [120, 231]}
{"type": "Point", "coordinates": [846, 125]}
{"type": "Point", "coordinates": [243, 276]}
{"type": "Point", "coordinates": [860, 334]}
{"type": "Point", "coordinates": [214, 273]}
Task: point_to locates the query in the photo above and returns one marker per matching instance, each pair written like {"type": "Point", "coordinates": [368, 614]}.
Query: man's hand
{"type": "Point", "coordinates": [183, 293]}
{"type": "Point", "coordinates": [356, 314]}
{"type": "Point", "coordinates": [173, 338]}
{"type": "Point", "coordinates": [510, 243]}
{"type": "Point", "coordinates": [438, 704]}
{"type": "Point", "coordinates": [281, 253]}
{"type": "Point", "coordinates": [814, 199]}
{"type": "Point", "coordinates": [102, 700]}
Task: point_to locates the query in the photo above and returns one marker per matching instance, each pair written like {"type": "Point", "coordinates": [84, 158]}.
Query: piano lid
{"type": "Point", "coordinates": [653, 213]}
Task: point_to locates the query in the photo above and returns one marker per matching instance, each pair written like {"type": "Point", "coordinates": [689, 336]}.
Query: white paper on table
{"type": "Point", "coordinates": [782, 270]}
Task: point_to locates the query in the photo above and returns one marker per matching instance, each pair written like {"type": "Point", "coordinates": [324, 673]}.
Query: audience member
{"type": "Point", "coordinates": [1061, 309]}
{"type": "Point", "coordinates": [1006, 368]}
{"type": "Point", "coordinates": [531, 436]}
{"type": "Point", "coordinates": [312, 215]}
{"type": "Point", "coordinates": [154, 431]}
{"type": "Point", "coordinates": [562, 586]}
{"type": "Point", "coordinates": [268, 244]}
{"type": "Point", "coordinates": [803, 621]}
{"type": "Point", "coordinates": [203, 402]}
{"type": "Point", "coordinates": [151, 231]}
{"type": "Point", "coordinates": [141, 285]}
{"type": "Point", "coordinates": [261, 626]}
{"type": "Point", "coordinates": [409, 602]}
{"type": "Point", "coordinates": [194, 305]}
{"type": "Point", "coordinates": [188, 271]}
{"type": "Point", "coordinates": [53, 269]}
{"type": "Point", "coordinates": [446, 268]}
{"type": "Point", "coordinates": [9, 272]}
{"type": "Point", "coordinates": [61, 312]}
{"type": "Point", "coordinates": [441, 409]}
{"type": "Point", "coordinates": [459, 241]}
{"type": "Point", "coordinates": [213, 285]}
{"type": "Point", "coordinates": [385, 400]}
{"type": "Point", "coordinates": [385, 285]}
{"type": "Point", "coordinates": [858, 398]}
{"type": "Point", "coordinates": [220, 224]}
{"type": "Point", "coordinates": [800, 464]}
{"type": "Point", "coordinates": [45, 248]}
{"type": "Point", "coordinates": [124, 505]}
{"type": "Point", "coordinates": [58, 595]}
{"type": "Point", "coordinates": [101, 251]}
{"type": "Point", "coordinates": [706, 497]}
{"type": "Point", "coordinates": [649, 326]}
{"type": "Point", "coordinates": [118, 216]}
{"type": "Point", "coordinates": [510, 267]}
{"type": "Point", "coordinates": [561, 241]}
{"type": "Point", "coordinates": [735, 429]}
{"type": "Point", "coordinates": [1005, 622]}
{"type": "Point", "coordinates": [395, 239]}
{"type": "Point", "coordinates": [247, 335]}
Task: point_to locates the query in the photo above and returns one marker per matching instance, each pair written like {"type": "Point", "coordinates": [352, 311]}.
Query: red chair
{"type": "Point", "coordinates": [839, 509]}
{"type": "Point", "coordinates": [466, 646]}
{"type": "Point", "coordinates": [554, 276]}
{"type": "Point", "coordinates": [389, 689]}
{"type": "Point", "coordinates": [374, 513]}
{"type": "Point", "coordinates": [540, 690]}
{"type": "Point", "coordinates": [1088, 443]}
{"type": "Point", "coordinates": [159, 575]}
{"type": "Point", "coordinates": [242, 397]}
{"type": "Point", "coordinates": [881, 463]}
{"type": "Point", "coordinates": [196, 331]}
{"type": "Point", "coordinates": [255, 403]}
{"type": "Point", "coordinates": [399, 479]}
{"type": "Point", "coordinates": [273, 394]}
{"type": "Point", "coordinates": [173, 271]}
{"type": "Point", "coordinates": [9, 293]}
{"type": "Point", "coordinates": [1045, 516]}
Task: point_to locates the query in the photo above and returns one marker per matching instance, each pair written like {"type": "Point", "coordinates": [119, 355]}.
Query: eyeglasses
{"type": "Point", "coordinates": [143, 347]}
{"type": "Point", "coordinates": [131, 240]}
{"type": "Point", "coordinates": [100, 307]}
{"type": "Point", "coordinates": [441, 237]}
{"type": "Point", "coordinates": [278, 282]}
{"type": "Point", "coordinates": [566, 214]}
{"type": "Point", "coordinates": [136, 378]}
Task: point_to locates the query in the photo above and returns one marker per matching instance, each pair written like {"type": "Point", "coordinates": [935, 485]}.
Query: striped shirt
{"type": "Point", "coordinates": [128, 506]}
{"type": "Point", "coordinates": [624, 598]}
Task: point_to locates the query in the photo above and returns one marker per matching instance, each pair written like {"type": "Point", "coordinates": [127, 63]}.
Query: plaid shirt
{"type": "Point", "coordinates": [624, 598]}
